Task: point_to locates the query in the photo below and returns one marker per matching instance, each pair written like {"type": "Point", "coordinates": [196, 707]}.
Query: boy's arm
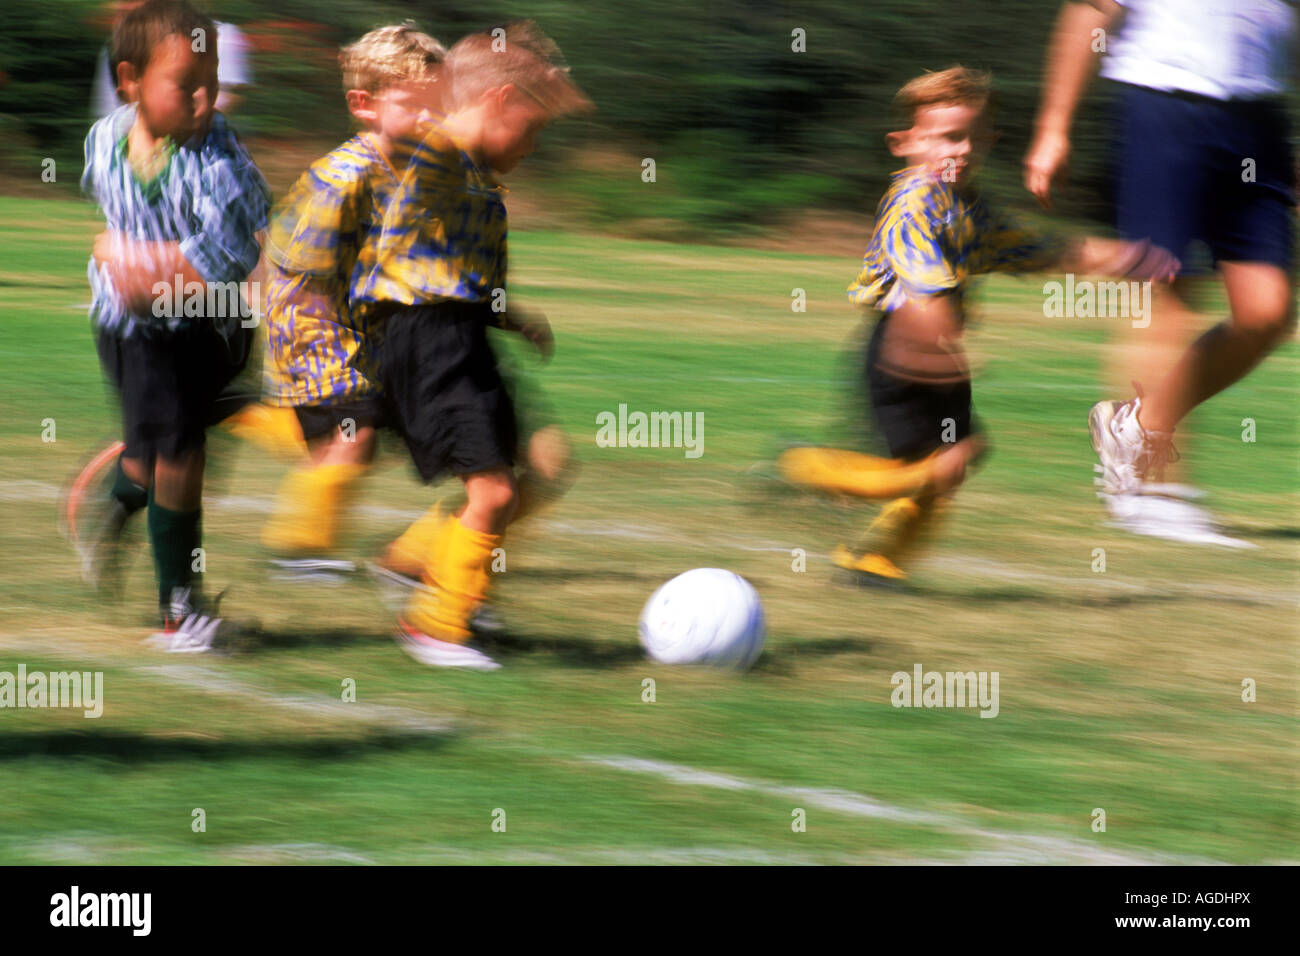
{"type": "Point", "coordinates": [231, 211]}
{"type": "Point", "coordinates": [1071, 61]}
{"type": "Point", "coordinates": [533, 326]}
{"type": "Point", "coordinates": [135, 266]}
{"type": "Point", "coordinates": [1120, 258]}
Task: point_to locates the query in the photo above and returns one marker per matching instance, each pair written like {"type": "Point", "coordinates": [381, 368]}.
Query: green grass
{"type": "Point", "coordinates": [1119, 690]}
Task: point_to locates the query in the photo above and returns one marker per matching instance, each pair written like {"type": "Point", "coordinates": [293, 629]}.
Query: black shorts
{"type": "Point", "coordinates": [443, 391]}
{"type": "Point", "coordinates": [316, 421]}
{"type": "Point", "coordinates": [170, 385]}
{"type": "Point", "coordinates": [915, 418]}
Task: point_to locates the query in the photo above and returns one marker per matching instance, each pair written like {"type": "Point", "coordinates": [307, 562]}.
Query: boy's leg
{"type": "Point", "coordinates": [923, 422]}
{"type": "Point", "coordinates": [459, 567]}
{"type": "Point", "coordinates": [175, 525]}
{"type": "Point", "coordinates": [313, 497]}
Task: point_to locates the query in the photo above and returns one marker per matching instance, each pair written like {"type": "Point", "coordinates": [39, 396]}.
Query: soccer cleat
{"type": "Point", "coordinates": [327, 571]}
{"type": "Point", "coordinates": [93, 520]}
{"type": "Point", "coordinates": [396, 589]}
{"type": "Point", "coordinates": [435, 653]}
{"type": "Point", "coordinates": [1168, 517]}
{"type": "Point", "coordinates": [1129, 453]}
{"type": "Point", "coordinates": [869, 569]}
{"type": "Point", "coordinates": [187, 628]}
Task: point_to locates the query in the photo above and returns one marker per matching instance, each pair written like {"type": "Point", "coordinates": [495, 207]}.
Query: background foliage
{"type": "Point", "coordinates": [742, 129]}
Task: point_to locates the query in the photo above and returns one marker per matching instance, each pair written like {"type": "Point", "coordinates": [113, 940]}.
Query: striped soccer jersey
{"type": "Point", "coordinates": [210, 198]}
{"type": "Point", "coordinates": [321, 343]}
{"type": "Point", "coordinates": [930, 239]}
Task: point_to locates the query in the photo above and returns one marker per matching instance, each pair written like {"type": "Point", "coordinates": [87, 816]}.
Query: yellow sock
{"type": "Point", "coordinates": [308, 508]}
{"type": "Point", "coordinates": [273, 428]}
{"type": "Point", "coordinates": [892, 537]}
{"type": "Point", "coordinates": [852, 473]}
{"type": "Point", "coordinates": [418, 543]}
{"type": "Point", "coordinates": [461, 578]}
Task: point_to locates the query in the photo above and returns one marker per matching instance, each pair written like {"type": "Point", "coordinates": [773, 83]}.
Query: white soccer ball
{"type": "Point", "coordinates": [706, 616]}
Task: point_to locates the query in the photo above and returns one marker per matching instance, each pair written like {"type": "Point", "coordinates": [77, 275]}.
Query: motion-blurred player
{"type": "Point", "coordinates": [933, 234]}
{"type": "Point", "coordinates": [1203, 156]}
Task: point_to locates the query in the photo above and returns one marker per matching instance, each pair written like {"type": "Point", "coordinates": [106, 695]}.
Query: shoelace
{"type": "Point", "coordinates": [1157, 451]}
{"type": "Point", "coordinates": [1157, 447]}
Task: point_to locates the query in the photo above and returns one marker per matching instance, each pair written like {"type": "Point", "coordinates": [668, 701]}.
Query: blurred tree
{"type": "Point", "coordinates": [741, 126]}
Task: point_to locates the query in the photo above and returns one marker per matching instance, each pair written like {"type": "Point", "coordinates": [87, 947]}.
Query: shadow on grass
{"type": "Point", "coordinates": [252, 638]}
{"type": "Point", "coordinates": [780, 657]}
{"type": "Point", "coordinates": [1055, 599]}
{"type": "Point", "coordinates": [565, 651]}
{"type": "Point", "coordinates": [1236, 531]}
{"type": "Point", "coordinates": [136, 748]}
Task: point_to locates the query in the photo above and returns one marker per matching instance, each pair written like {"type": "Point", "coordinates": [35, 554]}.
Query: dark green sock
{"type": "Point", "coordinates": [133, 497]}
{"type": "Point", "coordinates": [175, 536]}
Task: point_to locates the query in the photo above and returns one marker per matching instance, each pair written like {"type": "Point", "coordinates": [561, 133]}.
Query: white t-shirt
{"type": "Point", "coordinates": [1227, 49]}
{"type": "Point", "coordinates": [232, 69]}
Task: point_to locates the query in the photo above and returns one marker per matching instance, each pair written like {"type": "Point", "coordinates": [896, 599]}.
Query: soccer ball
{"type": "Point", "coordinates": [706, 616]}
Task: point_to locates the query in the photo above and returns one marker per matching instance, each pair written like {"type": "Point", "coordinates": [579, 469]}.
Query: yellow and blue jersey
{"type": "Point", "coordinates": [444, 232]}
{"type": "Point", "coordinates": [321, 343]}
{"type": "Point", "coordinates": [929, 239]}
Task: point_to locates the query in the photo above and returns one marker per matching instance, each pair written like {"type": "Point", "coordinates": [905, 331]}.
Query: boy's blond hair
{"type": "Point", "coordinates": [955, 86]}
{"type": "Point", "coordinates": [390, 55]}
{"type": "Point", "coordinates": [520, 54]}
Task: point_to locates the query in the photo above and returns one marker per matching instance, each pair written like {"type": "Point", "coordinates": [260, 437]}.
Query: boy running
{"type": "Point", "coordinates": [933, 234]}
{"type": "Point", "coordinates": [439, 266]}
{"type": "Point", "coordinates": [183, 203]}
{"type": "Point", "coordinates": [321, 355]}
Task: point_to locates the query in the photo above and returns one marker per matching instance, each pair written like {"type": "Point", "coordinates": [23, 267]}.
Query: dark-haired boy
{"type": "Point", "coordinates": [183, 203]}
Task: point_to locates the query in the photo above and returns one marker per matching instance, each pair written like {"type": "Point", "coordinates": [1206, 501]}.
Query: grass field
{"type": "Point", "coordinates": [1119, 690]}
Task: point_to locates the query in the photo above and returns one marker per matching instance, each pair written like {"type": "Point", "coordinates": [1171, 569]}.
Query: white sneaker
{"type": "Point", "coordinates": [435, 653]}
{"type": "Point", "coordinates": [1171, 518]}
{"type": "Point", "coordinates": [326, 571]}
{"type": "Point", "coordinates": [1118, 440]}
{"type": "Point", "coordinates": [187, 629]}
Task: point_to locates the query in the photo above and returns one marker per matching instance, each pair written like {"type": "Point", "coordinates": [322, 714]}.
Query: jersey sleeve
{"type": "Point", "coordinates": [1008, 244]}
{"type": "Point", "coordinates": [230, 209]}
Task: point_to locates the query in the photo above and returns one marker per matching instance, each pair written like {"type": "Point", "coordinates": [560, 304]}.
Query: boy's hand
{"type": "Point", "coordinates": [135, 266]}
{"type": "Point", "coordinates": [123, 259]}
{"type": "Point", "coordinates": [1146, 260]}
{"type": "Point", "coordinates": [534, 327]}
{"type": "Point", "coordinates": [1121, 259]}
{"type": "Point", "coordinates": [1047, 165]}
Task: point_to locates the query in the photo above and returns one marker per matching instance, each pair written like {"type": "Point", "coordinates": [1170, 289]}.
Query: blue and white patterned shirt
{"type": "Point", "coordinates": [210, 198]}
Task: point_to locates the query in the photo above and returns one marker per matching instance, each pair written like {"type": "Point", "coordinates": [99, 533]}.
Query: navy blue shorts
{"type": "Point", "coordinates": [1180, 175]}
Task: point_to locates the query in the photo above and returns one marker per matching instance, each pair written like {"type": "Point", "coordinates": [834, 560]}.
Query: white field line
{"type": "Point", "coordinates": [94, 848]}
{"type": "Point", "coordinates": [1003, 847]}
{"type": "Point", "coordinates": [968, 565]}
{"type": "Point", "coordinates": [1010, 847]}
